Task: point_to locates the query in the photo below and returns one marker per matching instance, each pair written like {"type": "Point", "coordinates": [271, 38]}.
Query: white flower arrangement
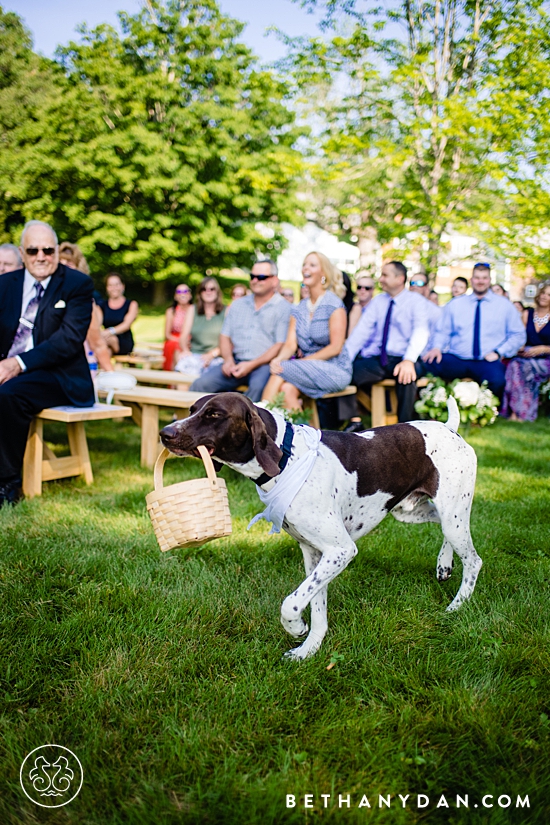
{"type": "Point", "coordinates": [476, 404]}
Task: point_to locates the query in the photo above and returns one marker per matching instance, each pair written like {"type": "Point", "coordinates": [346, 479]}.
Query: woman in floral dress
{"type": "Point", "coordinates": [531, 367]}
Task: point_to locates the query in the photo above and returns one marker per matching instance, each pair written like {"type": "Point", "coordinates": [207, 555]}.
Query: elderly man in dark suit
{"type": "Point", "coordinates": [45, 311]}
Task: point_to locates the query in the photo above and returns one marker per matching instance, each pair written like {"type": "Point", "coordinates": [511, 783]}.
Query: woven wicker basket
{"type": "Point", "coordinates": [191, 512]}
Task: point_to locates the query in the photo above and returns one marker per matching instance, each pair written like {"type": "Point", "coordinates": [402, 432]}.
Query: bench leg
{"type": "Point", "coordinates": [32, 462]}
{"type": "Point", "coordinates": [378, 406]}
{"type": "Point", "coordinates": [149, 435]}
{"type": "Point", "coordinates": [78, 445]}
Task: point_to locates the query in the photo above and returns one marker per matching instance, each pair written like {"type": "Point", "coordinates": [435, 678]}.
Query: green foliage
{"type": "Point", "coordinates": [430, 115]}
{"type": "Point", "coordinates": [158, 150]}
{"type": "Point", "coordinates": [297, 416]}
{"type": "Point", "coordinates": [164, 671]}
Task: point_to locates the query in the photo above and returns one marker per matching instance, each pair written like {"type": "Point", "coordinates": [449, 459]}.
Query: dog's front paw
{"type": "Point", "coordinates": [296, 627]}
{"type": "Point", "coordinates": [444, 573]}
{"type": "Point", "coordinates": [298, 654]}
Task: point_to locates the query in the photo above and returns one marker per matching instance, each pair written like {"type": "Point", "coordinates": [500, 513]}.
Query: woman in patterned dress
{"type": "Point", "coordinates": [316, 334]}
{"type": "Point", "coordinates": [531, 367]}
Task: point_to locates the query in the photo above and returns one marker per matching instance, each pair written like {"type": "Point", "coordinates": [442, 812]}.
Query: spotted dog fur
{"type": "Point", "coordinates": [421, 471]}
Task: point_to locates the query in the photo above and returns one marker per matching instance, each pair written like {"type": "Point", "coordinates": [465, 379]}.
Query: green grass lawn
{"type": "Point", "coordinates": [163, 672]}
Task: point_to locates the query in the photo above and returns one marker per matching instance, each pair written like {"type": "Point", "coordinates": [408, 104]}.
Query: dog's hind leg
{"type": "Point", "coordinates": [455, 523]}
{"type": "Point", "coordinates": [416, 510]}
{"type": "Point", "coordinates": [444, 566]}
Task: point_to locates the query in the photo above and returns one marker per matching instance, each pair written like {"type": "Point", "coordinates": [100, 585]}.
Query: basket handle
{"type": "Point", "coordinates": [207, 461]}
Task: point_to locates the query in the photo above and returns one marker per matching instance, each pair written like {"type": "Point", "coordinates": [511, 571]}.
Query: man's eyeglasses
{"type": "Point", "coordinates": [418, 283]}
{"type": "Point", "coordinates": [32, 251]}
{"type": "Point", "coordinates": [259, 277]}
{"type": "Point", "coordinates": [367, 288]}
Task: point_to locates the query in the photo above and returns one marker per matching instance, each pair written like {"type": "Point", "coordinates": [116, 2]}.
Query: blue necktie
{"type": "Point", "coordinates": [385, 334]}
{"type": "Point", "coordinates": [477, 331]}
{"type": "Point", "coordinates": [26, 323]}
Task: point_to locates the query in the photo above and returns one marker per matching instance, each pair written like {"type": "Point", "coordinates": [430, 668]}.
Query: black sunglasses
{"type": "Point", "coordinates": [260, 277]}
{"type": "Point", "coordinates": [368, 288]}
{"type": "Point", "coordinates": [32, 251]}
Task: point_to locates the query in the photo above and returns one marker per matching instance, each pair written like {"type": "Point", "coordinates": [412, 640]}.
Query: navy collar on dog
{"type": "Point", "coordinates": [286, 447]}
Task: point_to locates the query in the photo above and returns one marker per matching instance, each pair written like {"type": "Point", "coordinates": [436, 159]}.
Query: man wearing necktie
{"type": "Point", "coordinates": [388, 339]}
{"type": "Point", "coordinates": [45, 311]}
{"type": "Point", "coordinates": [474, 333]}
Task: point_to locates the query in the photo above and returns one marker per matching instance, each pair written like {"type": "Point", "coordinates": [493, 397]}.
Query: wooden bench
{"type": "Point", "coordinates": [163, 378]}
{"type": "Point", "coordinates": [376, 402]}
{"type": "Point", "coordinates": [311, 403]}
{"type": "Point", "coordinates": [145, 403]}
{"type": "Point", "coordinates": [41, 464]}
{"type": "Point", "coordinates": [153, 360]}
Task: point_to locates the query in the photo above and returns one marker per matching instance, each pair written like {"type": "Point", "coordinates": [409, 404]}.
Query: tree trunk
{"type": "Point", "coordinates": [368, 246]}
{"type": "Point", "coordinates": [159, 293]}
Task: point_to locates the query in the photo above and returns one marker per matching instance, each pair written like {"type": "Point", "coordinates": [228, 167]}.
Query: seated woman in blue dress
{"type": "Point", "coordinates": [316, 334]}
{"type": "Point", "coordinates": [531, 367]}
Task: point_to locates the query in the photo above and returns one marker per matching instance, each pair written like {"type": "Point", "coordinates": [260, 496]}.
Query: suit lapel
{"type": "Point", "coordinates": [14, 298]}
{"type": "Point", "coordinates": [48, 300]}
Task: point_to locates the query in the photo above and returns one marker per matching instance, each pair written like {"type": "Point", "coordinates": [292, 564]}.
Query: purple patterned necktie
{"type": "Point", "coordinates": [385, 334]}
{"type": "Point", "coordinates": [26, 323]}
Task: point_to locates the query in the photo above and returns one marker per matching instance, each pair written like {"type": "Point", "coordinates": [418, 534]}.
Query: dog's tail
{"type": "Point", "coordinates": [453, 420]}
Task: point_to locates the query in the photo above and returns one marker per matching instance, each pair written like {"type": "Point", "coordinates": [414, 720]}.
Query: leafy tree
{"type": "Point", "coordinates": [164, 146]}
{"type": "Point", "coordinates": [432, 114]}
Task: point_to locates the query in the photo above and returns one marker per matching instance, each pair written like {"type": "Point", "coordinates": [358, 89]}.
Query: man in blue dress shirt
{"type": "Point", "coordinates": [388, 340]}
{"type": "Point", "coordinates": [474, 334]}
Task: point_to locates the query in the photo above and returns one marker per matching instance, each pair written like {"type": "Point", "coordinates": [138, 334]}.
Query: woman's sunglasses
{"type": "Point", "coordinates": [367, 288]}
{"type": "Point", "coordinates": [183, 291]}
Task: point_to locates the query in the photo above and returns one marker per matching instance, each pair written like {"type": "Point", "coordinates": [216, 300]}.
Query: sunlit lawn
{"type": "Point", "coordinates": [163, 672]}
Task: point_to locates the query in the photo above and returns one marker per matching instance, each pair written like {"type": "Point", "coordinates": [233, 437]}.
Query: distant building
{"type": "Point", "coordinates": [311, 238]}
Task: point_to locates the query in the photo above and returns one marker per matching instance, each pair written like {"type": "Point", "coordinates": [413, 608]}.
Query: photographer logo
{"type": "Point", "coordinates": [51, 776]}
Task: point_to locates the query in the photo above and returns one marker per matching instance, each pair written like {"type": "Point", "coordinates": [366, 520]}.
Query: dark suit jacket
{"type": "Point", "coordinates": [59, 331]}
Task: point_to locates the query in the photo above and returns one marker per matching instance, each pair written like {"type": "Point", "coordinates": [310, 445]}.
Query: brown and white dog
{"type": "Point", "coordinates": [421, 471]}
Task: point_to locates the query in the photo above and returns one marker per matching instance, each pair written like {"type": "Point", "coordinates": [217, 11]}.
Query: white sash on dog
{"type": "Point", "coordinates": [290, 481]}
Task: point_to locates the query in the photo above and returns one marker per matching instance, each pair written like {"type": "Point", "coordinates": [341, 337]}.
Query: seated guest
{"type": "Point", "coordinates": [499, 290]}
{"type": "Point", "coordinates": [388, 340]}
{"type": "Point", "coordinates": [10, 258]}
{"type": "Point", "coordinates": [364, 286]}
{"type": "Point", "coordinates": [118, 315]}
{"type": "Point", "coordinates": [200, 335]}
{"type": "Point", "coordinates": [304, 292]}
{"type": "Point", "coordinates": [173, 324]}
{"type": "Point", "coordinates": [317, 330]}
{"type": "Point", "coordinates": [45, 311]}
{"type": "Point", "coordinates": [474, 333]}
{"type": "Point", "coordinates": [460, 287]}
{"type": "Point", "coordinates": [288, 294]}
{"type": "Point", "coordinates": [238, 291]}
{"type": "Point", "coordinates": [434, 297]}
{"type": "Point", "coordinates": [531, 368]}
{"type": "Point", "coordinates": [72, 256]}
{"type": "Point", "coordinates": [519, 306]}
{"type": "Point", "coordinates": [253, 332]}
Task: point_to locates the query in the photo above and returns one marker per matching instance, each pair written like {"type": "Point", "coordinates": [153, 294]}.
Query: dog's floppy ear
{"type": "Point", "coordinates": [265, 449]}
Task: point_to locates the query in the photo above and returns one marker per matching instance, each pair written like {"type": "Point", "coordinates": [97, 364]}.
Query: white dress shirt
{"type": "Point", "coordinates": [408, 332]}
